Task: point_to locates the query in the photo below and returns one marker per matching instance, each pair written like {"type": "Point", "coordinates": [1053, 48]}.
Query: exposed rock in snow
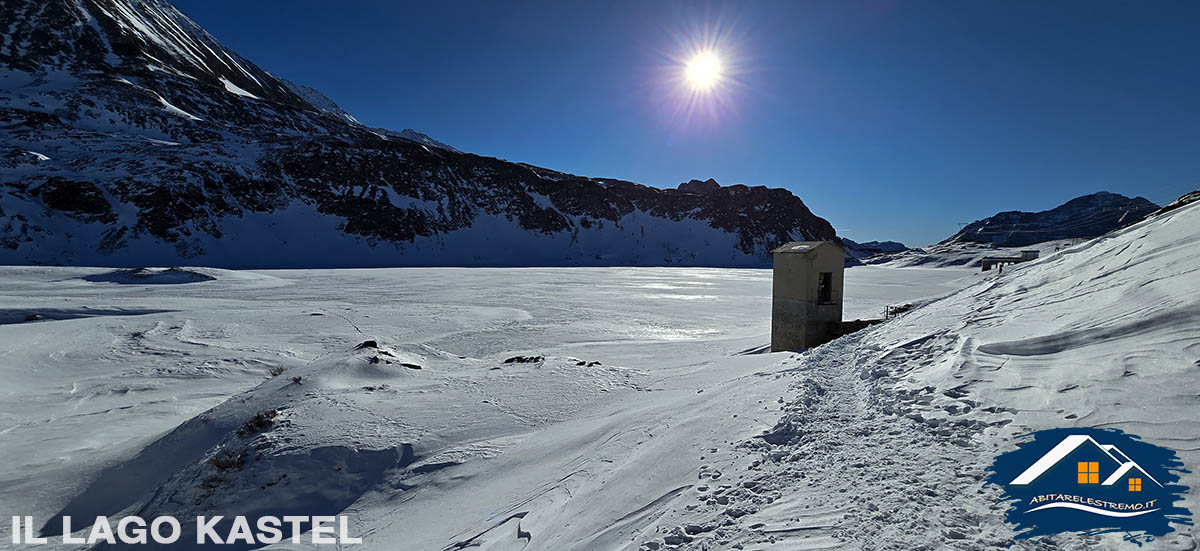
{"type": "Point", "coordinates": [142, 276]}
{"type": "Point", "coordinates": [1186, 199]}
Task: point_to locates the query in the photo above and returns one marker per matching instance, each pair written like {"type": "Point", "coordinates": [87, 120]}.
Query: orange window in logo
{"type": "Point", "coordinates": [1089, 472]}
{"type": "Point", "coordinates": [1135, 484]}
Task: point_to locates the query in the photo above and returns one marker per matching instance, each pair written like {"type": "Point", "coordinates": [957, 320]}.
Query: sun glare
{"type": "Point", "coordinates": [703, 71]}
{"type": "Point", "coordinates": [701, 75]}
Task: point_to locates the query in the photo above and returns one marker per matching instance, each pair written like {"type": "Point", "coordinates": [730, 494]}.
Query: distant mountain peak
{"type": "Point", "coordinates": [1086, 216]}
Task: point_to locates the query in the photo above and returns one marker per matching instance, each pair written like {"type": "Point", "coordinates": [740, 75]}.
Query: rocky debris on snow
{"type": "Point", "coordinates": [227, 460]}
{"type": "Point", "coordinates": [262, 421]}
{"type": "Point", "coordinates": [144, 276]}
{"type": "Point", "coordinates": [525, 359]}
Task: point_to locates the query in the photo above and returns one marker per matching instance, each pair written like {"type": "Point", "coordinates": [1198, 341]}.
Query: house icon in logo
{"type": "Point", "coordinates": [1085, 479]}
{"type": "Point", "coordinates": [1080, 459]}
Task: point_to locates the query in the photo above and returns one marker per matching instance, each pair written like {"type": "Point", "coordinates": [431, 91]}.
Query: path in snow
{"type": "Point", "coordinates": [852, 463]}
{"type": "Point", "coordinates": [885, 443]}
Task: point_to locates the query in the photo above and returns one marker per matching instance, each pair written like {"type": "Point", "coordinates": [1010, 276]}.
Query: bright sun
{"type": "Point", "coordinates": [703, 71]}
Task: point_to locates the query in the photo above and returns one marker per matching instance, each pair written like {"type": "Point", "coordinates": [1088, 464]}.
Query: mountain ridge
{"type": "Point", "coordinates": [1085, 216]}
{"type": "Point", "coordinates": [132, 137]}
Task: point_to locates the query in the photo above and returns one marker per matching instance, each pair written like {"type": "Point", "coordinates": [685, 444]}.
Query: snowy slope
{"type": "Point", "coordinates": [893, 426]}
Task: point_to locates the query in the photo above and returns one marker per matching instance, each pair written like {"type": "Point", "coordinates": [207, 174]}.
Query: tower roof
{"type": "Point", "coordinates": [802, 247]}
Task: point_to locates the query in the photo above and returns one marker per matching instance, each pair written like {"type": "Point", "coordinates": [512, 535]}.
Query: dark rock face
{"type": "Point", "coordinates": [1083, 217]}
{"type": "Point", "coordinates": [696, 186]}
{"type": "Point", "coordinates": [132, 137]}
{"type": "Point", "coordinates": [79, 199]}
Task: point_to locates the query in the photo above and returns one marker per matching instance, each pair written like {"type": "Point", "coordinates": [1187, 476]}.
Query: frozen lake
{"type": "Point", "coordinates": [107, 365]}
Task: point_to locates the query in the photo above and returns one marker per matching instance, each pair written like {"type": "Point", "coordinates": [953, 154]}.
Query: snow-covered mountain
{"type": "Point", "coordinates": [858, 253]}
{"type": "Point", "coordinates": [875, 247]}
{"type": "Point", "coordinates": [132, 137]}
{"type": "Point", "coordinates": [1082, 217]}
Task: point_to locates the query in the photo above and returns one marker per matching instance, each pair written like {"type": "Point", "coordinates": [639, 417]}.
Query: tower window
{"type": "Point", "coordinates": [825, 287]}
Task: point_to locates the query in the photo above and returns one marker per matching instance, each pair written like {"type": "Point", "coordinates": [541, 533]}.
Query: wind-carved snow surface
{"type": "Point", "coordinates": [589, 408]}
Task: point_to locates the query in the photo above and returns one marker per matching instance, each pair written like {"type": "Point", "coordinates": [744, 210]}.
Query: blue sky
{"type": "Point", "coordinates": [894, 120]}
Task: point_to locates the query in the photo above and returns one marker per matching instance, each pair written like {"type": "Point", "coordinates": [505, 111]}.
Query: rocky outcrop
{"type": "Point", "coordinates": [699, 187]}
{"type": "Point", "coordinates": [1182, 201]}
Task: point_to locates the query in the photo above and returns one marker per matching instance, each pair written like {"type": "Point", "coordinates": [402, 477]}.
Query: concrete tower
{"type": "Point", "coordinates": [806, 297]}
